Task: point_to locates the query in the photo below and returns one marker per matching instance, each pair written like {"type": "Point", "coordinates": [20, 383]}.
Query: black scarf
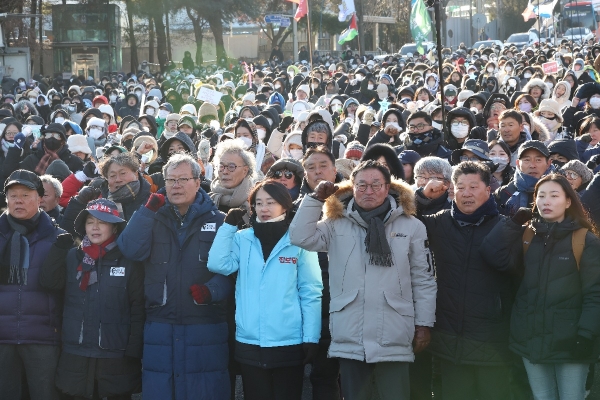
{"type": "Point", "coordinates": [15, 260]}
{"type": "Point", "coordinates": [488, 208]}
{"type": "Point", "coordinates": [376, 242]}
{"type": "Point", "coordinates": [269, 233]}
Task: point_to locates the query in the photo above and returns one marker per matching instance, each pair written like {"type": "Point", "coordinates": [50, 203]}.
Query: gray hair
{"type": "Point", "coordinates": [178, 159]}
{"type": "Point", "coordinates": [320, 126]}
{"type": "Point", "coordinates": [434, 165]}
{"type": "Point", "coordinates": [127, 160]}
{"type": "Point", "coordinates": [235, 146]}
{"type": "Point", "coordinates": [58, 189]}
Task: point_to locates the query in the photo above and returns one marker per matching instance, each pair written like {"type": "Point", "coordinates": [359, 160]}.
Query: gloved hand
{"type": "Point", "coordinates": [324, 189]}
{"type": "Point", "coordinates": [235, 216]}
{"type": "Point", "coordinates": [20, 140]}
{"type": "Point", "coordinates": [87, 194]}
{"type": "Point", "coordinates": [522, 216]}
{"type": "Point", "coordinates": [583, 347]}
{"type": "Point", "coordinates": [285, 123]}
{"type": "Point", "coordinates": [421, 339]}
{"type": "Point", "coordinates": [64, 241]}
{"type": "Point", "coordinates": [593, 162]}
{"type": "Point", "coordinates": [310, 352]}
{"type": "Point", "coordinates": [90, 170]}
{"type": "Point", "coordinates": [587, 138]}
{"type": "Point", "coordinates": [201, 294]}
{"type": "Point", "coordinates": [155, 201]}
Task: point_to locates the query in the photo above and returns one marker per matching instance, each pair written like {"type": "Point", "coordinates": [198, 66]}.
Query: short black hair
{"type": "Point", "coordinates": [472, 167]}
{"type": "Point", "coordinates": [321, 149]}
{"type": "Point", "coordinates": [372, 164]}
{"type": "Point", "coordinates": [419, 114]}
{"type": "Point", "coordinates": [276, 190]}
{"type": "Point", "coordinates": [510, 113]}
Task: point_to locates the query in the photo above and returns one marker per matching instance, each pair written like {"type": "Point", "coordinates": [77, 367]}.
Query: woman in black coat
{"type": "Point", "coordinates": [103, 316]}
{"type": "Point", "coordinates": [555, 320]}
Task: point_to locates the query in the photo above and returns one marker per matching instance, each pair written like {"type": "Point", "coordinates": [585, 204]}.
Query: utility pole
{"type": "Point", "coordinates": [295, 32]}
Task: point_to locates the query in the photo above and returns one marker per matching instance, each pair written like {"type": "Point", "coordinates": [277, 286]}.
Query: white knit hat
{"type": "Point", "coordinates": [190, 108]}
{"type": "Point", "coordinates": [549, 105]}
{"type": "Point", "coordinates": [106, 109]}
{"type": "Point", "coordinates": [95, 121]}
{"type": "Point", "coordinates": [303, 88]}
{"type": "Point", "coordinates": [249, 96]}
{"type": "Point", "coordinates": [77, 143]}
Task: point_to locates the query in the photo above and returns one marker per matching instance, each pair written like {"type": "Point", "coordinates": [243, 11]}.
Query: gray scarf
{"type": "Point", "coordinates": [376, 242]}
{"type": "Point", "coordinates": [126, 192]}
{"type": "Point", "coordinates": [19, 248]}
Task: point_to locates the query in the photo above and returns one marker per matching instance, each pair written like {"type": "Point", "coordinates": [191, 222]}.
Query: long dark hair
{"type": "Point", "coordinates": [575, 210]}
{"type": "Point", "coordinates": [587, 124]}
{"type": "Point", "coordinates": [276, 190]}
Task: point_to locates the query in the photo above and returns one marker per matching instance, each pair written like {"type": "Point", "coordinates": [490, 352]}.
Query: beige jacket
{"type": "Point", "coordinates": [373, 309]}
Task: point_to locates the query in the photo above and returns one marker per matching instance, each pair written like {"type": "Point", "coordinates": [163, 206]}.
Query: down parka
{"type": "Point", "coordinates": [373, 310]}
{"type": "Point", "coordinates": [555, 302]}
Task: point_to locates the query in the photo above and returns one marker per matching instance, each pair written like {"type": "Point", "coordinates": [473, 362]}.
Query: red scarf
{"type": "Point", "coordinates": [92, 252]}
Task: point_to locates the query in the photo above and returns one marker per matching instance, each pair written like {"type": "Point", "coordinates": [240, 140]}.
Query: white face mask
{"type": "Point", "coordinates": [501, 161]}
{"type": "Point", "coordinates": [314, 86]}
{"type": "Point", "coordinates": [296, 154]}
{"type": "Point", "coordinates": [370, 87]}
{"type": "Point", "coordinates": [393, 125]}
{"type": "Point", "coordinates": [460, 131]}
{"type": "Point", "coordinates": [261, 133]}
{"type": "Point", "coordinates": [147, 156]}
{"type": "Point", "coordinates": [508, 68]}
{"type": "Point", "coordinates": [149, 111]}
{"type": "Point", "coordinates": [359, 77]}
{"type": "Point", "coordinates": [32, 99]}
{"type": "Point", "coordinates": [436, 125]}
{"type": "Point", "coordinates": [95, 132]}
{"type": "Point", "coordinates": [59, 120]}
{"type": "Point", "coordinates": [527, 75]}
{"type": "Point", "coordinates": [595, 102]}
{"type": "Point", "coordinates": [113, 97]}
{"type": "Point", "coordinates": [22, 84]}
{"type": "Point", "coordinates": [162, 114]}
{"type": "Point", "coordinates": [247, 142]}
{"type": "Point", "coordinates": [490, 70]}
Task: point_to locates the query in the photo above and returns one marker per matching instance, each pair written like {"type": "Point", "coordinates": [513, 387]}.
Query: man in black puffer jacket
{"type": "Point", "coordinates": [473, 301]}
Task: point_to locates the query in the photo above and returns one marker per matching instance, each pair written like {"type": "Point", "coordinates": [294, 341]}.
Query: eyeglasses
{"type": "Point", "coordinates": [11, 132]}
{"type": "Point", "coordinates": [418, 126]}
{"type": "Point", "coordinates": [178, 181]}
{"type": "Point", "coordinates": [283, 172]}
{"type": "Point", "coordinates": [467, 158]}
{"type": "Point", "coordinates": [460, 123]}
{"type": "Point", "coordinates": [229, 167]}
{"type": "Point", "coordinates": [50, 135]}
{"type": "Point", "coordinates": [376, 186]}
{"type": "Point", "coordinates": [431, 178]}
{"type": "Point", "coordinates": [571, 175]}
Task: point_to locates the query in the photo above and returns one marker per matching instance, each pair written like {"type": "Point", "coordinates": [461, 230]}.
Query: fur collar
{"type": "Point", "coordinates": [335, 205]}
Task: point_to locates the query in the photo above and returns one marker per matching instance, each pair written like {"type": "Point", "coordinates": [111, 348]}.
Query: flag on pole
{"type": "Point", "coordinates": [346, 10]}
{"type": "Point", "coordinates": [544, 8]}
{"type": "Point", "coordinates": [420, 23]}
{"type": "Point", "coordinates": [528, 13]}
{"type": "Point", "coordinates": [302, 10]}
{"type": "Point", "coordinates": [349, 33]}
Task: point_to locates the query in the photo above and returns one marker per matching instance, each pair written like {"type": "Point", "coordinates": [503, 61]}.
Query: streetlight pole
{"type": "Point", "coordinates": [437, 9]}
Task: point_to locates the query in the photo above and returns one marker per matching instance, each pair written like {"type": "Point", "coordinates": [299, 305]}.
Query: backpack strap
{"type": "Point", "coordinates": [528, 235]}
{"type": "Point", "coordinates": [578, 244]}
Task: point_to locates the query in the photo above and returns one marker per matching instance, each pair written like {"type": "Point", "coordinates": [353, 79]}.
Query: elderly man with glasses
{"type": "Point", "coordinates": [185, 335]}
{"type": "Point", "coordinates": [380, 277]}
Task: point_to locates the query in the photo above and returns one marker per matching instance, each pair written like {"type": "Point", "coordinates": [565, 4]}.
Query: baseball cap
{"type": "Point", "coordinates": [103, 209]}
{"type": "Point", "coordinates": [534, 144]}
{"type": "Point", "coordinates": [25, 178]}
{"type": "Point", "coordinates": [475, 146]}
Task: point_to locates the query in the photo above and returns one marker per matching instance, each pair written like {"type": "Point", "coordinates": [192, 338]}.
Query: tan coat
{"type": "Point", "coordinates": [373, 309]}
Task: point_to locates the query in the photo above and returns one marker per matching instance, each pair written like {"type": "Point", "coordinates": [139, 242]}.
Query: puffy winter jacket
{"type": "Point", "coordinates": [278, 301]}
{"type": "Point", "coordinates": [373, 310]}
{"type": "Point", "coordinates": [474, 300]}
{"type": "Point", "coordinates": [555, 301]}
{"type": "Point", "coordinates": [29, 314]}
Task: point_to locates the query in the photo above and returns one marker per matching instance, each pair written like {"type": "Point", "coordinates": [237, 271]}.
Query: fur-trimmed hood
{"type": "Point", "coordinates": [539, 83]}
{"type": "Point", "coordinates": [403, 195]}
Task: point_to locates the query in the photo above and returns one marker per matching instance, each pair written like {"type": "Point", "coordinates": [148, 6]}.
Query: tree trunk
{"type": "Point", "coordinates": [150, 41]}
{"type": "Point", "coordinates": [361, 33]}
{"type": "Point", "coordinates": [132, 40]}
{"type": "Point", "coordinates": [215, 21]}
{"type": "Point", "coordinates": [31, 35]}
{"type": "Point", "coordinates": [40, 28]}
{"type": "Point", "coordinates": [169, 50]}
{"type": "Point", "coordinates": [197, 34]}
{"type": "Point", "coordinates": [161, 40]}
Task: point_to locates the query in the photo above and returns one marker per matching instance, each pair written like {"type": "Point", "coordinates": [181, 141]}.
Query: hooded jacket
{"type": "Point", "coordinates": [563, 101]}
{"type": "Point", "coordinates": [452, 114]}
{"type": "Point", "coordinates": [373, 310]}
{"type": "Point", "coordinates": [126, 110]}
{"type": "Point", "coordinates": [546, 92]}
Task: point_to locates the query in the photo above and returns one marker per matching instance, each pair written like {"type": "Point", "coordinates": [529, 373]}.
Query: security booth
{"type": "Point", "coordinates": [87, 39]}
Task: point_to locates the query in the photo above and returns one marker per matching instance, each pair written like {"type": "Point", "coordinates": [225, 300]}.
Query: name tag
{"type": "Point", "coordinates": [209, 227]}
{"type": "Point", "coordinates": [117, 271]}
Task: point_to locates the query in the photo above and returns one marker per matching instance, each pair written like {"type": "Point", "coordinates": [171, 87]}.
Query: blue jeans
{"type": "Point", "coordinates": [557, 381]}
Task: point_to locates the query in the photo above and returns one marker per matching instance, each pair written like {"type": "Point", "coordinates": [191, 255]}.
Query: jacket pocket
{"type": "Point", "coordinates": [564, 330]}
{"type": "Point", "coordinates": [397, 321]}
{"type": "Point", "coordinates": [344, 318]}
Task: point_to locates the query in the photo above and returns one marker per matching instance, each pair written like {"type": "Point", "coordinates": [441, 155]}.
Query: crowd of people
{"type": "Point", "coordinates": [404, 241]}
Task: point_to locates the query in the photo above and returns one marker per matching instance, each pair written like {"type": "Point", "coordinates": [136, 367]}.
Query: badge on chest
{"type": "Point", "coordinates": [117, 271]}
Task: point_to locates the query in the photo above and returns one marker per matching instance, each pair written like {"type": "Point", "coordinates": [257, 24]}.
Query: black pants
{"type": "Point", "coordinates": [391, 380]}
{"type": "Point", "coordinates": [39, 363]}
{"type": "Point", "coordinates": [472, 382]}
{"type": "Point", "coordinates": [325, 374]}
{"type": "Point", "coordinates": [421, 376]}
{"type": "Point", "coordinates": [284, 383]}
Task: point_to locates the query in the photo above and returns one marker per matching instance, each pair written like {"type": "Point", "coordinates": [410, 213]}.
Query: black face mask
{"type": "Point", "coordinates": [558, 164]}
{"type": "Point", "coordinates": [128, 143]}
{"type": "Point", "coordinates": [53, 144]}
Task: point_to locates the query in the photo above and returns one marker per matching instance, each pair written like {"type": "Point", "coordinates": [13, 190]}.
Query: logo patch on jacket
{"type": "Point", "coordinates": [288, 260]}
{"type": "Point", "coordinates": [396, 234]}
{"type": "Point", "coordinates": [117, 271]}
{"type": "Point", "coordinates": [209, 227]}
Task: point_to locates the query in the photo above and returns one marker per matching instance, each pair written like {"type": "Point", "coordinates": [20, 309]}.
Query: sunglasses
{"type": "Point", "coordinates": [278, 174]}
